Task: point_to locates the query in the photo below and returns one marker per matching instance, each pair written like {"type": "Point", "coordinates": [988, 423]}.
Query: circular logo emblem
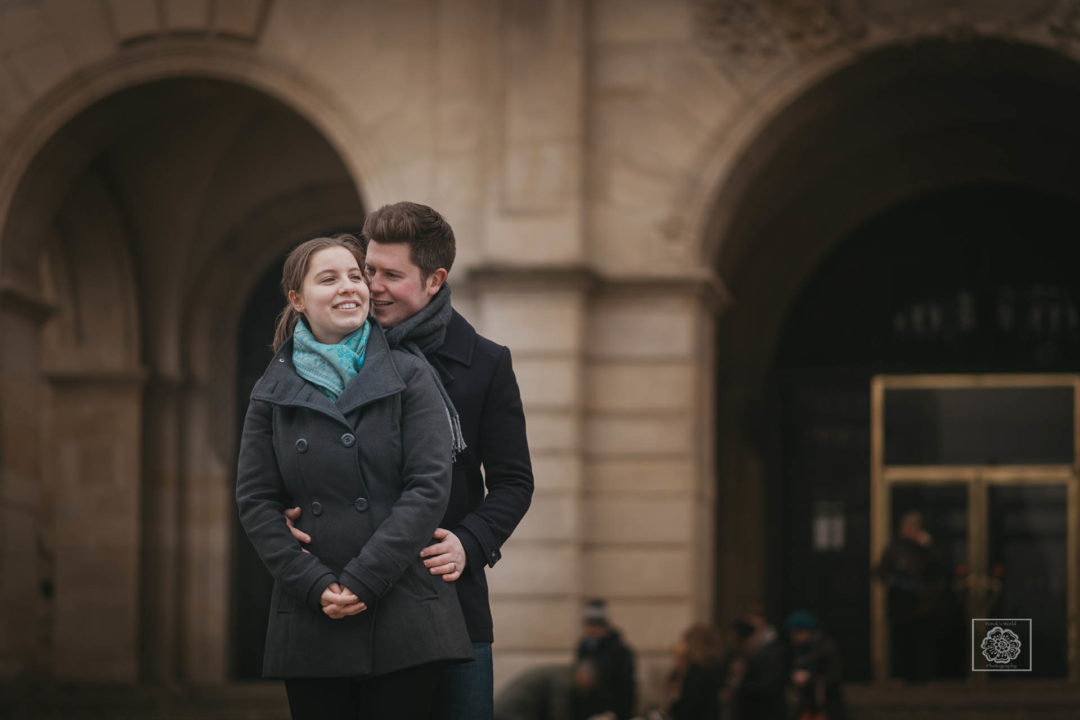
{"type": "Point", "coordinates": [1001, 646]}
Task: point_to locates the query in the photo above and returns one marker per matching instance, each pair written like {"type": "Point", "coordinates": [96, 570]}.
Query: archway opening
{"type": "Point", "coordinates": [147, 220]}
{"type": "Point", "coordinates": [974, 279]}
{"type": "Point", "coordinates": [922, 137]}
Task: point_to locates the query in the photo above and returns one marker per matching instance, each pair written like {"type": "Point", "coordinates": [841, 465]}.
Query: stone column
{"type": "Point", "coordinates": [23, 623]}
{"type": "Point", "coordinates": [649, 492]}
{"type": "Point", "coordinates": [160, 562]}
{"type": "Point", "coordinates": [93, 451]}
{"type": "Point", "coordinates": [206, 506]}
{"type": "Point", "coordinates": [531, 289]}
{"type": "Point", "coordinates": [536, 589]}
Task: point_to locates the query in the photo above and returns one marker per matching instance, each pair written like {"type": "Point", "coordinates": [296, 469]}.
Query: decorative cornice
{"type": "Point", "coordinates": [705, 284]}
{"type": "Point", "coordinates": [744, 37]}
{"type": "Point", "coordinates": [110, 377]}
{"type": "Point", "coordinates": [544, 278]}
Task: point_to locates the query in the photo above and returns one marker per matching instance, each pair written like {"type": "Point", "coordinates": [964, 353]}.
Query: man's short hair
{"type": "Point", "coordinates": [430, 237]}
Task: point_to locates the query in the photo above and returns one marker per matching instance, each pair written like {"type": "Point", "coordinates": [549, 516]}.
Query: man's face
{"type": "Point", "coordinates": [397, 289]}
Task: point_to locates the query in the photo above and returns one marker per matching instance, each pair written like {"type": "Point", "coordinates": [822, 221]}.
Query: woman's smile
{"type": "Point", "coordinates": [334, 297]}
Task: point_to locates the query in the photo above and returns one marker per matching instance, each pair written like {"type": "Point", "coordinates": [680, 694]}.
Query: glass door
{"type": "Point", "coordinates": [974, 517]}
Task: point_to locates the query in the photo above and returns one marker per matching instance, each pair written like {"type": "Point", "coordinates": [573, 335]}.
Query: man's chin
{"type": "Point", "coordinates": [385, 319]}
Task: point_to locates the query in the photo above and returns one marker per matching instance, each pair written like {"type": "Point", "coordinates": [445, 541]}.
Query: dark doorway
{"type": "Point", "coordinates": [973, 279]}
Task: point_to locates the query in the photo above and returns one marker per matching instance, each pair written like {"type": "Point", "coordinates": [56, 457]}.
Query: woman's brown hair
{"type": "Point", "coordinates": [296, 267]}
{"type": "Point", "coordinates": [704, 644]}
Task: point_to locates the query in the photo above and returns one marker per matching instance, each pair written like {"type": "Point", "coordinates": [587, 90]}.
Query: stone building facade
{"type": "Point", "coordinates": [639, 189]}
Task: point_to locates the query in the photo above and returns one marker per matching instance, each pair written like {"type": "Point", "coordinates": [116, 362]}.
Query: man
{"type": "Point", "coordinates": [756, 669]}
{"type": "Point", "coordinates": [916, 578]}
{"type": "Point", "coordinates": [410, 249]}
{"type": "Point", "coordinates": [604, 675]}
{"type": "Point", "coordinates": [816, 670]}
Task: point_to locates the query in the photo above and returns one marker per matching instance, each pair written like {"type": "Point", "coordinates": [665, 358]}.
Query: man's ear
{"type": "Point", "coordinates": [435, 281]}
{"type": "Point", "coordinates": [295, 301]}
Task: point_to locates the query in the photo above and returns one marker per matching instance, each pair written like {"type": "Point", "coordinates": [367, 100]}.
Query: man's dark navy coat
{"type": "Point", "coordinates": [479, 378]}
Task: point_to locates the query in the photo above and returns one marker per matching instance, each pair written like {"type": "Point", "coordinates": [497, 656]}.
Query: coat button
{"type": "Point", "coordinates": [301, 445]}
{"type": "Point", "coordinates": [361, 504]}
{"type": "Point", "coordinates": [348, 439]}
{"type": "Point", "coordinates": [316, 507]}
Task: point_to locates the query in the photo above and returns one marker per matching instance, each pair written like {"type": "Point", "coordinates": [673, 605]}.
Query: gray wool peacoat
{"type": "Point", "coordinates": [372, 474]}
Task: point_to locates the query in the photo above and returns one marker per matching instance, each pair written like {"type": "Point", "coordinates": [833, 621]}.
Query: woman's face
{"type": "Point", "coordinates": [334, 297]}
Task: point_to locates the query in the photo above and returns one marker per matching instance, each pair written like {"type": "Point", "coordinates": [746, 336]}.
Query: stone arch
{"type": "Point", "coordinates": [168, 58]}
{"type": "Point", "coordinates": [143, 221]}
{"type": "Point", "coordinates": [888, 125]}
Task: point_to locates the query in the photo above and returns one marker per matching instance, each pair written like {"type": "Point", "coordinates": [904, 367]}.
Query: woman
{"type": "Point", "coordinates": [697, 679]}
{"type": "Point", "coordinates": [358, 436]}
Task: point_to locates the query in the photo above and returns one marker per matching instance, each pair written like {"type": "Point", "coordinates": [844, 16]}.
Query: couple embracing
{"type": "Point", "coordinates": [359, 478]}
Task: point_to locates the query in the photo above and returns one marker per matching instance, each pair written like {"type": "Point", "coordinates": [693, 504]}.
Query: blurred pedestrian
{"type": "Point", "coordinates": [540, 693]}
{"type": "Point", "coordinates": [698, 676]}
{"type": "Point", "coordinates": [917, 581]}
{"type": "Point", "coordinates": [756, 671]}
{"type": "Point", "coordinates": [604, 674]}
{"type": "Point", "coordinates": [816, 670]}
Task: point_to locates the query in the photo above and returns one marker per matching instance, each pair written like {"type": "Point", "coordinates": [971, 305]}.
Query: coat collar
{"type": "Point", "coordinates": [458, 346]}
{"type": "Point", "coordinates": [379, 378]}
{"type": "Point", "coordinates": [460, 341]}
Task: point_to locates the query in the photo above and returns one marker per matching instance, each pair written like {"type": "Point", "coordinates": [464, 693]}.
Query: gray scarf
{"type": "Point", "coordinates": [424, 333]}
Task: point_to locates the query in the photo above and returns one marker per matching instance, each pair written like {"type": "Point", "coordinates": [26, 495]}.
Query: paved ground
{"type": "Point", "coordinates": [257, 701]}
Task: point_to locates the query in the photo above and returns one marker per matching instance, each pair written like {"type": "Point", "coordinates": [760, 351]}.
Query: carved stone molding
{"type": "Point", "coordinates": [744, 35]}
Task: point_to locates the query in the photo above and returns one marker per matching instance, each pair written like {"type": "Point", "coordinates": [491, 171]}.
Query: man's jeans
{"type": "Point", "coordinates": [467, 690]}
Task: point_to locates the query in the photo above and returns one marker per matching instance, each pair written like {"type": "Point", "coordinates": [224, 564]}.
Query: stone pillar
{"type": "Point", "coordinates": [649, 498]}
{"type": "Point", "coordinates": [160, 562]}
{"type": "Point", "coordinates": [23, 622]}
{"type": "Point", "coordinates": [531, 289]}
{"type": "Point", "coordinates": [535, 215]}
{"type": "Point", "coordinates": [206, 506]}
{"type": "Point", "coordinates": [536, 590]}
{"type": "Point", "coordinates": [93, 450]}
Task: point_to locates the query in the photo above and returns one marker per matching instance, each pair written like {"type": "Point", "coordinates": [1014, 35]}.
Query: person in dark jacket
{"type": "Point", "coordinates": [604, 675]}
{"type": "Point", "coordinates": [917, 581]}
{"type": "Point", "coordinates": [756, 671]}
{"type": "Point", "coordinates": [410, 250]}
{"type": "Point", "coordinates": [816, 670]}
{"type": "Point", "coordinates": [698, 676]}
{"type": "Point", "coordinates": [357, 434]}
{"type": "Point", "coordinates": [540, 693]}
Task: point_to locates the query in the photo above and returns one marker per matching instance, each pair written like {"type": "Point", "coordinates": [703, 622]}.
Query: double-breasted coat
{"type": "Point", "coordinates": [372, 474]}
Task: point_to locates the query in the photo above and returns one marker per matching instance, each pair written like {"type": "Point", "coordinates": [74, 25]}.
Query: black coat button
{"type": "Point", "coordinates": [348, 439]}
{"type": "Point", "coordinates": [301, 445]}
{"type": "Point", "coordinates": [361, 504]}
{"type": "Point", "coordinates": [316, 507]}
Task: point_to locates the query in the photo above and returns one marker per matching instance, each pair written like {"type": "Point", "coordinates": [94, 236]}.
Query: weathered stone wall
{"type": "Point", "coordinates": [593, 158]}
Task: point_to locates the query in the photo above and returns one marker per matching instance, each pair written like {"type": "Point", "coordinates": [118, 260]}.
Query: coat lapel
{"type": "Point", "coordinates": [281, 385]}
{"type": "Point", "coordinates": [378, 378]}
{"type": "Point", "coordinates": [457, 347]}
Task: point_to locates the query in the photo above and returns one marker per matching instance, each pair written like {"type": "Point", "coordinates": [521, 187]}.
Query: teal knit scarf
{"type": "Point", "coordinates": [331, 367]}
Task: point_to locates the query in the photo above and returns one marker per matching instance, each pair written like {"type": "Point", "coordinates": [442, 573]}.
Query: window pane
{"type": "Point", "coordinates": [979, 426]}
{"type": "Point", "coordinates": [1028, 532]}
